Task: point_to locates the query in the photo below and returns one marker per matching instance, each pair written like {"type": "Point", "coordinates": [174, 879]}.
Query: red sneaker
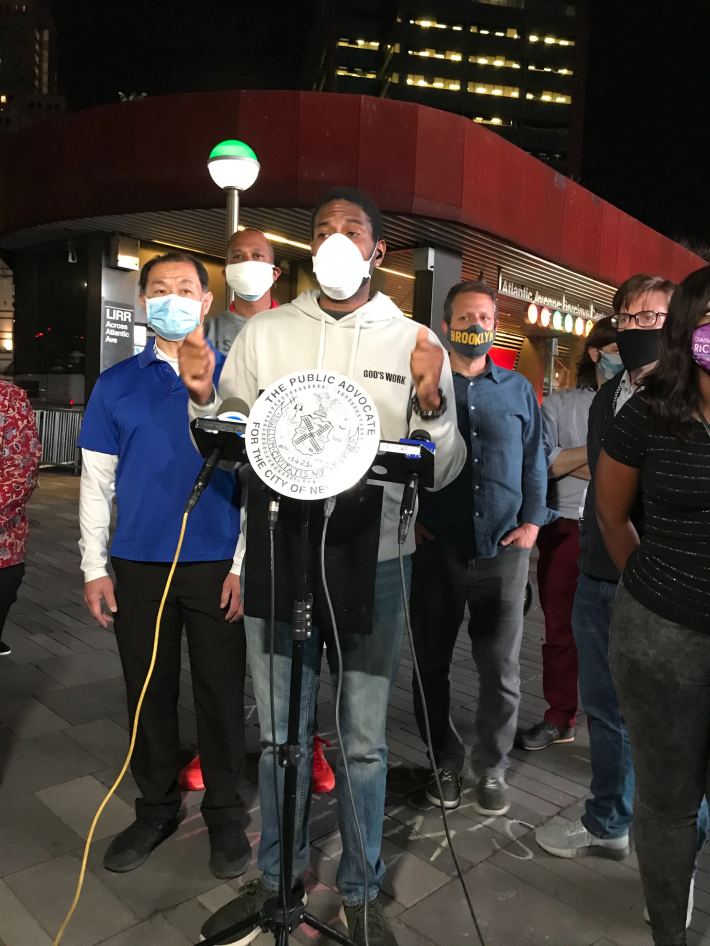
{"type": "Point", "coordinates": [323, 778]}
{"type": "Point", "coordinates": [190, 779]}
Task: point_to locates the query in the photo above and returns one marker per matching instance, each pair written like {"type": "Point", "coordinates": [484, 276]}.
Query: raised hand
{"type": "Point", "coordinates": [196, 360]}
{"type": "Point", "coordinates": [426, 363]}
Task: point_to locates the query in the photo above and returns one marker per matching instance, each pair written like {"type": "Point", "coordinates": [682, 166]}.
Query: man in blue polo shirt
{"type": "Point", "coordinates": [137, 448]}
{"type": "Point", "coordinates": [474, 539]}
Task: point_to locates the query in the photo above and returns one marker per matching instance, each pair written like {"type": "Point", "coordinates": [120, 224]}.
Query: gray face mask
{"type": "Point", "coordinates": [609, 365]}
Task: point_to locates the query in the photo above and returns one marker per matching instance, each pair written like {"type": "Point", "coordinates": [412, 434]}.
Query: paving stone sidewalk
{"type": "Point", "coordinates": [63, 735]}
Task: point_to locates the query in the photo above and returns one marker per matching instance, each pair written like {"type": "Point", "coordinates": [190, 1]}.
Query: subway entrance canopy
{"type": "Point", "coordinates": [457, 199]}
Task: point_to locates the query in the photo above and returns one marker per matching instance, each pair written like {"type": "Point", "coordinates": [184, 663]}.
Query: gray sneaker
{"type": "Point", "coordinates": [379, 932]}
{"type": "Point", "coordinates": [565, 838]}
{"type": "Point", "coordinates": [491, 796]}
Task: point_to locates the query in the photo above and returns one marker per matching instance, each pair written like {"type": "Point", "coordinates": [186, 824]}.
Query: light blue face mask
{"type": "Point", "coordinates": [173, 317]}
{"type": "Point", "coordinates": [609, 365]}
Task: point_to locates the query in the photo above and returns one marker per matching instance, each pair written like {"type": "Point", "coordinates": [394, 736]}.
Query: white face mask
{"type": "Point", "coordinates": [339, 267]}
{"type": "Point", "coordinates": [250, 279]}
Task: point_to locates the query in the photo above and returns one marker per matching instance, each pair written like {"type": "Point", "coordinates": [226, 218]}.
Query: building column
{"type": "Point", "coordinates": [435, 272]}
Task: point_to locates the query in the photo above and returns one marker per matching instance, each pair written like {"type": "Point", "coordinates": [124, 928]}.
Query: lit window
{"type": "Point", "coordinates": [432, 24]}
{"type": "Point", "coordinates": [449, 54]}
{"type": "Point", "coordinates": [358, 43]}
{"type": "Point", "coordinates": [495, 120]}
{"type": "Point", "coordinates": [498, 61]}
{"type": "Point", "coordinates": [508, 91]}
{"type": "Point", "coordinates": [355, 73]}
{"type": "Point", "coordinates": [425, 82]}
{"type": "Point", "coordinates": [512, 34]}
{"type": "Point", "coordinates": [3, 99]}
{"type": "Point", "coordinates": [554, 97]}
{"type": "Point", "coordinates": [551, 40]}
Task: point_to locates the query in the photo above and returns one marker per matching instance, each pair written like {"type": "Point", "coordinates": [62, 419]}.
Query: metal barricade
{"type": "Point", "coordinates": [58, 433]}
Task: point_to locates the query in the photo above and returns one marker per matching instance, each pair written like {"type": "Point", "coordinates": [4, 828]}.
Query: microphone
{"type": "Point", "coordinates": [237, 410]}
{"type": "Point", "coordinates": [409, 496]}
{"type": "Point", "coordinates": [234, 409]}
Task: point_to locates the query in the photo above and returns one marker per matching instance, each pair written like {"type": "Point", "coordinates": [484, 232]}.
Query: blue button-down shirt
{"type": "Point", "coordinates": [504, 482]}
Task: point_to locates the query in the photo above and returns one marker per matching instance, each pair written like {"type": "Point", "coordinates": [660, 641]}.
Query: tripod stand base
{"type": "Point", "coordinates": [272, 919]}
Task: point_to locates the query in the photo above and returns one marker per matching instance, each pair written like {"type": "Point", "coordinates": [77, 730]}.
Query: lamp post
{"type": "Point", "coordinates": [234, 167]}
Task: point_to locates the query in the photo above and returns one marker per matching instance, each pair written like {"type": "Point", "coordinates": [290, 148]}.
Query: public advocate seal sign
{"type": "Point", "coordinates": [312, 434]}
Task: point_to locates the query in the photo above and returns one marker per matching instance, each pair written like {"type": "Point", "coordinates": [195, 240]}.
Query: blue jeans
{"type": "Point", "coordinates": [609, 811]}
{"type": "Point", "coordinates": [370, 664]}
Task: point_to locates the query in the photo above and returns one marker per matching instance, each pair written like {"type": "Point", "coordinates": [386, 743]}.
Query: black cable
{"type": "Point", "coordinates": [328, 508]}
{"type": "Point", "coordinates": [430, 749]}
{"type": "Point", "coordinates": [272, 623]}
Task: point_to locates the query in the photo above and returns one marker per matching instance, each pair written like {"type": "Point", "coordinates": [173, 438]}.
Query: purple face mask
{"type": "Point", "coordinates": [701, 346]}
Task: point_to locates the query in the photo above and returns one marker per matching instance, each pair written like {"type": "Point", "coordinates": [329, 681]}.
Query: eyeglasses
{"type": "Point", "coordinates": [642, 319]}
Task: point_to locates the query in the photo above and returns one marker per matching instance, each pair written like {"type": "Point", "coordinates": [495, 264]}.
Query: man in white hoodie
{"type": "Point", "coordinates": [344, 328]}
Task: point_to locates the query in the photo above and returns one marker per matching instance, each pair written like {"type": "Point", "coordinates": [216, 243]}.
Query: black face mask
{"type": "Point", "coordinates": [638, 347]}
{"type": "Point", "coordinates": [472, 342]}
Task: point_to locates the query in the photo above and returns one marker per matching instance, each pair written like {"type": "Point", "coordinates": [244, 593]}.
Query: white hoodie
{"type": "Point", "coordinates": [372, 346]}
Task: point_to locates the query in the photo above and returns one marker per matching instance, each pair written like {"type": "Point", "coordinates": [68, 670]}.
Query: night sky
{"type": "Point", "coordinates": [648, 91]}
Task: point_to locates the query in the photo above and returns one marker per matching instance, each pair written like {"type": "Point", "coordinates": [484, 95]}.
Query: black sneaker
{"type": "Point", "coordinates": [450, 789]}
{"type": "Point", "coordinates": [5, 649]}
{"type": "Point", "coordinates": [491, 796]}
{"type": "Point", "coordinates": [132, 847]}
{"type": "Point", "coordinates": [229, 850]}
{"type": "Point", "coordinates": [379, 932]}
{"type": "Point", "coordinates": [541, 736]}
{"type": "Point", "coordinates": [250, 901]}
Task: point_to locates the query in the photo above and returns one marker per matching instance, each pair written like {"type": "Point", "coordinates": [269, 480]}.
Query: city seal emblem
{"type": "Point", "coordinates": [312, 434]}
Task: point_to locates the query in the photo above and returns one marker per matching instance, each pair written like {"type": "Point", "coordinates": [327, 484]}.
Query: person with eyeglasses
{"type": "Point", "coordinates": [640, 310]}
{"type": "Point", "coordinates": [659, 654]}
{"type": "Point", "coordinates": [640, 306]}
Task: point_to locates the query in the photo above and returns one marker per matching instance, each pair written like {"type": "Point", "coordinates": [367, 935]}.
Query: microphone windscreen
{"type": "Point", "coordinates": [234, 405]}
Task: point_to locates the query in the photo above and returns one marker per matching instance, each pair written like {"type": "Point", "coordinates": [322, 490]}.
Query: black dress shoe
{"type": "Point", "coordinates": [132, 847]}
{"type": "Point", "coordinates": [229, 850]}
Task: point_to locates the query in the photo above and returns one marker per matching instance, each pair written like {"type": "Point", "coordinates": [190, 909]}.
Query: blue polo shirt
{"type": "Point", "coordinates": [504, 481]}
{"type": "Point", "coordinates": [138, 412]}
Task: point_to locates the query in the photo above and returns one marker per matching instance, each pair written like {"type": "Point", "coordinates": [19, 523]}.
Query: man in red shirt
{"type": "Point", "coordinates": [20, 452]}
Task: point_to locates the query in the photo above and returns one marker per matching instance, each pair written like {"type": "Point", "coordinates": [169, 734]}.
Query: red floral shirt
{"type": "Point", "coordinates": [20, 452]}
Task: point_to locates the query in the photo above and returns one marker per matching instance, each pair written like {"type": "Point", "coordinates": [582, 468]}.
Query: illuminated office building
{"type": "Point", "coordinates": [516, 66]}
{"type": "Point", "coordinates": [28, 64]}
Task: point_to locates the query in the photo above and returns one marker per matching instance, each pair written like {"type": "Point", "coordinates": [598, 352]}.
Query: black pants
{"type": "Point", "coordinates": [494, 588]}
{"type": "Point", "coordinates": [217, 658]}
{"type": "Point", "coordinates": [662, 676]}
{"type": "Point", "coordinates": [10, 580]}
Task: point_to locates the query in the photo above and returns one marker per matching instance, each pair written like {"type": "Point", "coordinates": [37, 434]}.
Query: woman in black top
{"type": "Point", "coordinates": [660, 633]}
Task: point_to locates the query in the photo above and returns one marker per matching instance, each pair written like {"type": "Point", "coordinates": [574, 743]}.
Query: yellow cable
{"type": "Point", "coordinates": [134, 733]}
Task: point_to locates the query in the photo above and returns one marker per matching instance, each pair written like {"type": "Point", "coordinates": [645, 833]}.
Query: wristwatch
{"type": "Point", "coordinates": [429, 415]}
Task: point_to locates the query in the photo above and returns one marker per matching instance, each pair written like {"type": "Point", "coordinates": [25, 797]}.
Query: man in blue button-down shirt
{"type": "Point", "coordinates": [474, 541]}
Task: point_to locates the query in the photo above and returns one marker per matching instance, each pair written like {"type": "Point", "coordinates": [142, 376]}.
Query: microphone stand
{"type": "Point", "coordinates": [387, 467]}
{"type": "Point", "coordinates": [272, 917]}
